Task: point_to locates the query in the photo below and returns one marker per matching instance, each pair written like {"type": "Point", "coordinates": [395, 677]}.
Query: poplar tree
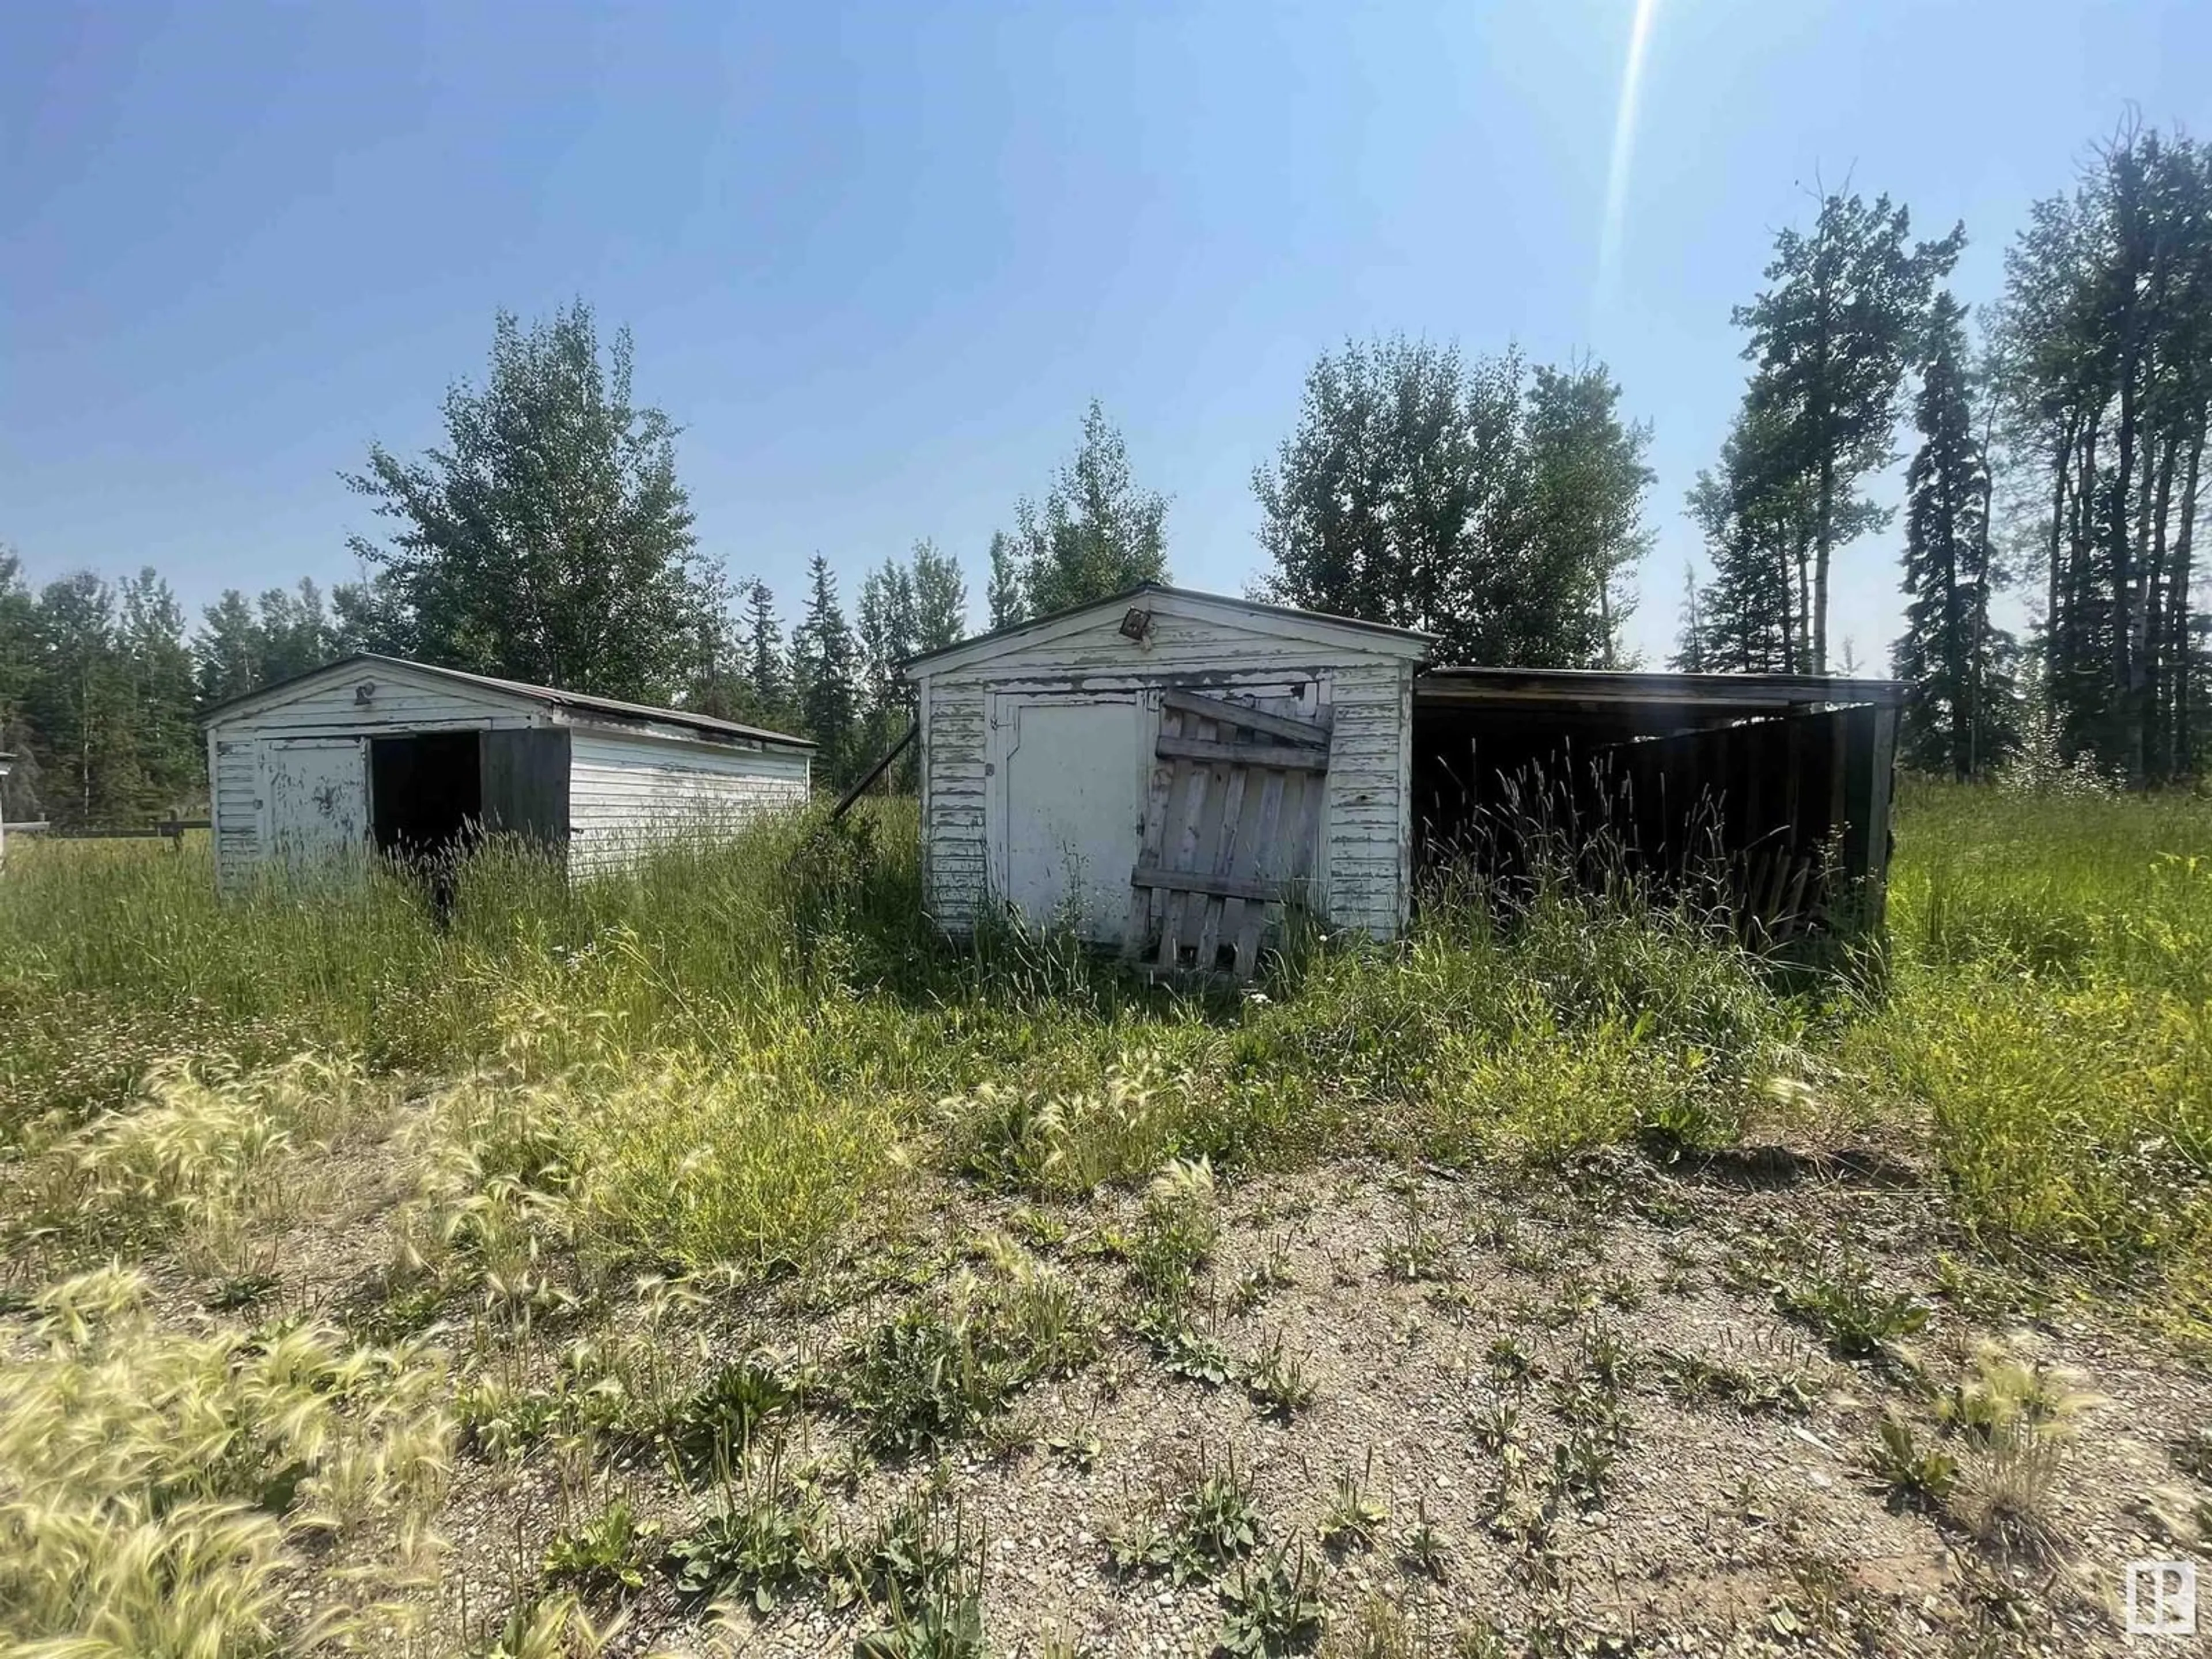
{"type": "Point", "coordinates": [1833, 335]}
{"type": "Point", "coordinates": [548, 540]}
{"type": "Point", "coordinates": [1500, 512]}
{"type": "Point", "coordinates": [1094, 533]}
{"type": "Point", "coordinates": [940, 599]}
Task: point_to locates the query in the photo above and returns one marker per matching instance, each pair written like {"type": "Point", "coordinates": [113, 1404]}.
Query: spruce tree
{"type": "Point", "coordinates": [1959, 715]}
{"type": "Point", "coordinates": [768, 673]}
{"type": "Point", "coordinates": [1689, 656]}
{"type": "Point", "coordinates": [825, 666]}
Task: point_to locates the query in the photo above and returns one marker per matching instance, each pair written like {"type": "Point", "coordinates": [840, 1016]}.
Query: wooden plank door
{"type": "Point", "coordinates": [1231, 820]}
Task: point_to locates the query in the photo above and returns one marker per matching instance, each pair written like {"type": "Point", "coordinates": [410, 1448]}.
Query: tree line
{"type": "Point", "coordinates": [2061, 457]}
{"type": "Point", "coordinates": [548, 539]}
{"type": "Point", "coordinates": [1495, 503]}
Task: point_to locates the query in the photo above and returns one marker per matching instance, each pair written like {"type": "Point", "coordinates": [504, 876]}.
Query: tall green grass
{"type": "Point", "coordinates": [746, 1037]}
{"type": "Point", "coordinates": [2051, 1013]}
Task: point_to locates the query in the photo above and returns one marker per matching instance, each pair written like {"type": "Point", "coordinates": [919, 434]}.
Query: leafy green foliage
{"type": "Point", "coordinates": [611, 1551]}
{"type": "Point", "coordinates": [548, 540]}
{"type": "Point", "coordinates": [1695, 1377]}
{"type": "Point", "coordinates": [1274, 1606]}
{"type": "Point", "coordinates": [1427, 491]}
{"type": "Point", "coordinates": [1833, 335]}
{"type": "Point", "coordinates": [1354, 1517]}
{"type": "Point", "coordinates": [1961, 715]}
{"type": "Point", "coordinates": [1915, 1476]}
{"type": "Point", "coordinates": [716, 1424]}
{"type": "Point", "coordinates": [1278, 1381]}
{"type": "Point", "coordinates": [771, 1539]}
{"type": "Point", "coordinates": [1856, 1317]}
{"type": "Point", "coordinates": [1094, 533]}
{"type": "Point", "coordinates": [925, 1378]}
{"type": "Point", "coordinates": [1192, 1531]}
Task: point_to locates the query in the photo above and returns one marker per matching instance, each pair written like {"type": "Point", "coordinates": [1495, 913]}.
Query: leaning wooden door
{"type": "Point", "coordinates": [1231, 825]}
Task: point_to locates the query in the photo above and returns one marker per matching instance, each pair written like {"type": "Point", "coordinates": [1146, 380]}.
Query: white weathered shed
{"type": "Point", "coordinates": [1163, 769]}
{"type": "Point", "coordinates": [1168, 769]}
{"type": "Point", "coordinates": [378, 753]}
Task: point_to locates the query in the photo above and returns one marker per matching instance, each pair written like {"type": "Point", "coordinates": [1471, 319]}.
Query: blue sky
{"type": "Point", "coordinates": [877, 258]}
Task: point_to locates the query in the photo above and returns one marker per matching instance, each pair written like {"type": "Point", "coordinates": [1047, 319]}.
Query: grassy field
{"type": "Point", "coordinates": [714, 1259]}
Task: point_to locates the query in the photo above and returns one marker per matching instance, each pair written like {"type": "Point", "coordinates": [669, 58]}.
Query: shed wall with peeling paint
{"type": "Point", "coordinates": [295, 771]}
{"type": "Point", "coordinates": [1357, 678]}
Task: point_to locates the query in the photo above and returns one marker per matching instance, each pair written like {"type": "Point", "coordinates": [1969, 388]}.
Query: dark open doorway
{"type": "Point", "coordinates": [426, 792]}
{"type": "Point", "coordinates": [1770, 790]}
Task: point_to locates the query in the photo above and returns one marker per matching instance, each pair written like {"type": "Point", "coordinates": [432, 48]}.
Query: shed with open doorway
{"type": "Point", "coordinates": [1167, 771]}
{"type": "Point", "coordinates": [375, 753]}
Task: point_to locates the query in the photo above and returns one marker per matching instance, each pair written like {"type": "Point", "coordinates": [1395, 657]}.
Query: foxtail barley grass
{"type": "Point", "coordinates": [726, 1057]}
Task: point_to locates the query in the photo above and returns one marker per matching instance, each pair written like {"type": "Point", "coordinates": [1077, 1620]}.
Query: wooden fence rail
{"type": "Point", "coordinates": [173, 828]}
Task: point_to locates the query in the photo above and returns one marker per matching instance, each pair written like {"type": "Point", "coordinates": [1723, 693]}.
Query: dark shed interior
{"type": "Point", "coordinates": [1772, 789]}
{"type": "Point", "coordinates": [431, 793]}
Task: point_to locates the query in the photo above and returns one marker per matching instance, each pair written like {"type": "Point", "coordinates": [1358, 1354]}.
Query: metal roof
{"type": "Point", "coordinates": [1127, 594]}
{"type": "Point", "coordinates": [1745, 691]}
{"type": "Point", "coordinates": [552, 696]}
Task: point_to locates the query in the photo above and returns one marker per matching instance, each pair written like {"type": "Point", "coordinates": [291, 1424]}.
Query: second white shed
{"type": "Point", "coordinates": [1165, 769]}
{"type": "Point", "coordinates": [379, 754]}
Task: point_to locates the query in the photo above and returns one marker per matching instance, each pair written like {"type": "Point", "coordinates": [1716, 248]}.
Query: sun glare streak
{"type": "Point", "coordinates": [1623, 148]}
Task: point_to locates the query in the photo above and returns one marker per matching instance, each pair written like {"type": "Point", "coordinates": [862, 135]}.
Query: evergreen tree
{"type": "Point", "coordinates": [1095, 533]}
{"type": "Point", "coordinates": [1690, 648]}
{"type": "Point", "coordinates": [549, 540]}
{"type": "Point", "coordinates": [1831, 336]}
{"type": "Point", "coordinates": [1959, 716]}
{"type": "Point", "coordinates": [768, 673]}
{"type": "Point", "coordinates": [157, 667]}
{"type": "Point", "coordinates": [825, 670]}
{"type": "Point", "coordinates": [1759, 524]}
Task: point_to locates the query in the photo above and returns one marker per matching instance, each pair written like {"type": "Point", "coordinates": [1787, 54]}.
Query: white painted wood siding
{"type": "Point", "coordinates": [628, 792]}
{"type": "Point", "coordinates": [398, 702]}
{"type": "Point", "coordinates": [1366, 827]}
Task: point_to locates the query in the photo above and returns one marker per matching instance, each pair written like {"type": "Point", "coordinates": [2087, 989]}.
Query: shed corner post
{"type": "Point", "coordinates": [1871, 763]}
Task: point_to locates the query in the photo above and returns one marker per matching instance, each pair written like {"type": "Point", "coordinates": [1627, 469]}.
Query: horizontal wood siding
{"type": "Point", "coordinates": [627, 793]}
{"type": "Point", "coordinates": [235, 812]}
{"type": "Point", "coordinates": [397, 703]}
{"type": "Point", "coordinates": [952, 813]}
{"type": "Point", "coordinates": [1365, 824]}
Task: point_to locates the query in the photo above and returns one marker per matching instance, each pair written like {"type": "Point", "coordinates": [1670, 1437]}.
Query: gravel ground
{"type": "Point", "coordinates": [1418, 1305]}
